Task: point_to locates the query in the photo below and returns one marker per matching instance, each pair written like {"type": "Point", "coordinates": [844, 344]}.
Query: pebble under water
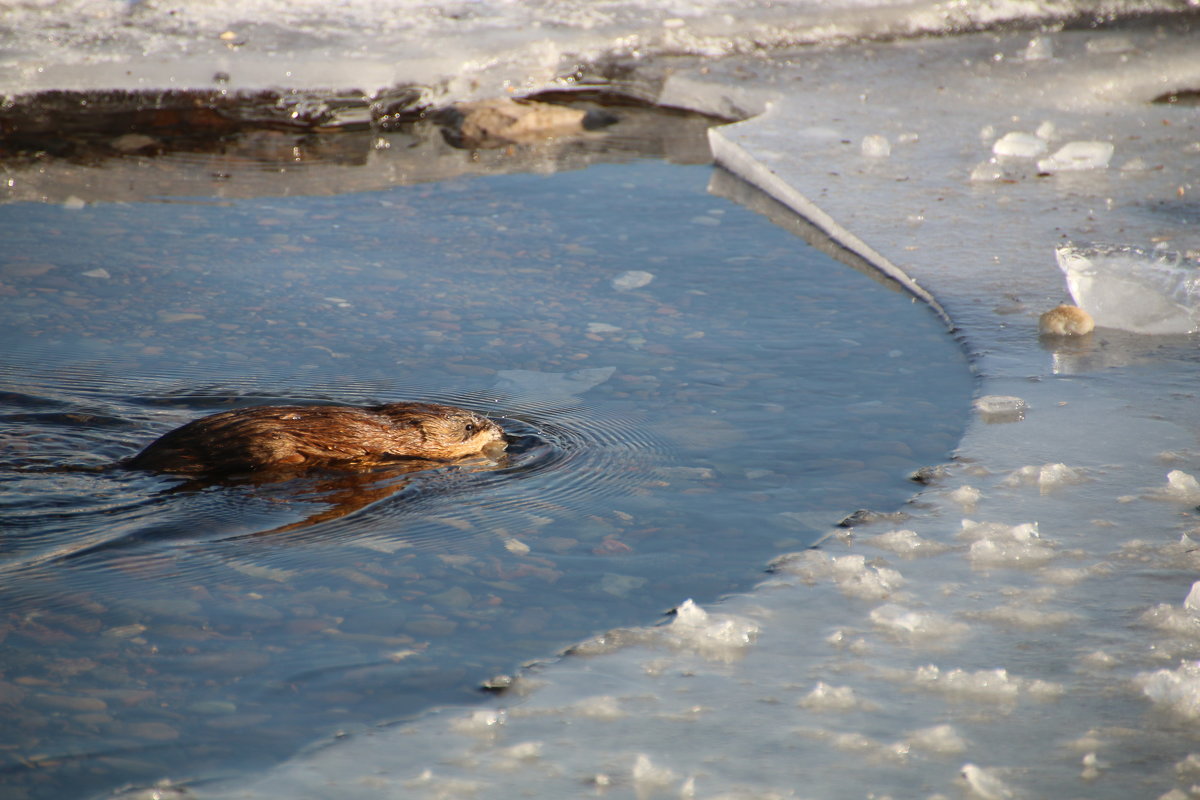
{"type": "Point", "coordinates": [691, 388]}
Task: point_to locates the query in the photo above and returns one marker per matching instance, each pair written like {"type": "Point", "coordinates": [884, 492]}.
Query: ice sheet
{"type": "Point", "coordinates": [1044, 647]}
{"type": "Point", "coordinates": [457, 49]}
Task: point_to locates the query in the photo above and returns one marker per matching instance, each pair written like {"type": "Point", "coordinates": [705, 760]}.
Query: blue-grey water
{"type": "Point", "coordinates": [731, 398]}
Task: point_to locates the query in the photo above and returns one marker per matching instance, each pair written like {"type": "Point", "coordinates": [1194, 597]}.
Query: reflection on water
{"type": "Point", "coordinates": [690, 389]}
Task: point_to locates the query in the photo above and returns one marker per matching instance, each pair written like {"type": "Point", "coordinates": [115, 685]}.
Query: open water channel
{"type": "Point", "coordinates": [693, 390]}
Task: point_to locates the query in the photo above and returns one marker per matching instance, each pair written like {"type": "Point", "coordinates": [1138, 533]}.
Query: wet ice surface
{"type": "Point", "coordinates": [452, 49]}
{"type": "Point", "coordinates": [1030, 630]}
{"type": "Point", "coordinates": [686, 406]}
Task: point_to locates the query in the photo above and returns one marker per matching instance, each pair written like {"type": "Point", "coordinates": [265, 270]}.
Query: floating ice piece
{"type": "Point", "coordinates": [1016, 144]}
{"type": "Point", "coordinates": [906, 543]}
{"type": "Point", "coordinates": [1077, 156]}
{"type": "Point", "coordinates": [1040, 48]}
{"type": "Point", "coordinates": [939, 740]}
{"type": "Point", "coordinates": [1000, 408]}
{"type": "Point", "coordinates": [966, 496]}
{"type": "Point", "coordinates": [824, 697]}
{"type": "Point", "coordinates": [1183, 621]}
{"type": "Point", "coordinates": [876, 146]}
{"type": "Point", "coordinates": [1181, 487]}
{"type": "Point", "coordinates": [997, 545]}
{"type": "Point", "coordinates": [1047, 477]}
{"type": "Point", "coordinates": [648, 779]}
{"type": "Point", "coordinates": [720, 637]}
{"type": "Point", "coordinates": [916, 625]}
{"type": "Point", "coordinates": [990, 171]}
{"type": "Point", "coordinates": [855, 579]}
{"type": "Point", "coordinates": [1192, 601]}
{"type": "Point", "coordinates": [853, 576]}
{"type": "Point", "coordinates": [984, 783]}
{"type": "Point", "coordinates": [480, 722]}
{"type": "Point", "coordinates": [994, 685]}
{"type": "Point", "coordinates": [1177, 690]}
{"type": "Point", "coordinates": [1133, 289]}
{"type": "Point", "coordinates": [632, 279]}
{"type": "Point", "coordinates": [1026, 616]}
{"type": "Point", "coordinates": [550, 387]}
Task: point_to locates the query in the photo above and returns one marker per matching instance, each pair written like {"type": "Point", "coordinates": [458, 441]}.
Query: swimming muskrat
{"type": "Point", "coordinates": [1066, 320]}
{"type": "Point", "coordinates": [290, 437]}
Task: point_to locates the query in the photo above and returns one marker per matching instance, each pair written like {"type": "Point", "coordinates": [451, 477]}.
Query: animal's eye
{"type": "Point", "coordinates": [469, 427]}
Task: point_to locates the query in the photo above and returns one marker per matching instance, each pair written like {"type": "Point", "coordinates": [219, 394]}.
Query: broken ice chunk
{"type": "Point", "coordinates": [984, 783]}
{"type": "Point", "coordinates": [1040, 48]}
{"type": "Point", "coordinates": [1075, 156]}
{"type": "Point", "coordinates": [1000, 408]}
{"type": "Point", "coordinates": [632, 279]}
{"type": "Point", "coordinates": [1019, 145]}
{"type": "Point", "coordinates": [876, 146]}
{"type": "Point", "coordinates": [1176, 690]}
{"type": "Point", "coordinates": [1133, 289]}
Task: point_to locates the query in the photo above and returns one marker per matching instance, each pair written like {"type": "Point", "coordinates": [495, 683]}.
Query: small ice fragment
{"type": "Point", "coordinates": [1000, 408]}
{"type": "Point", "coordinates": [1110, 45]}
{"type": "Point", "coordinates": [1040, 48]}
{"type": "Point", "coordinates": [906, 543]}
{"type": "Point", "coordinates": [1177, 690]}
{"type": "Point", "coordinates": [600, 707]}
{"type": "Point", "coordinates": [480, 722]}
{"type": "Point", "coordinates": [1045, 131]}
{"type": "Point", "coordinates": [1065, 320]}
{"type": "Point", "coordinates": [1076, 156]}
{"type": "Point", "coordinates": [1135, 164]}
{"type": "Point", "coordinates": [74, 203]}
{"type": "Point", "coordinates": [722, 637]}
{"type": "Point", "coordinates": [516, 546]}
{"type": "Point", "coordinates": [649, 780]}
{"type": "Point", "coordinates": [1046, 477]}
{"type": "Point", "coordinates": [1142, 291]}
{"type": "Point", "coordinates": [988, 172]}
{"type": "Point", "coordinates": [939, 740]}
{"type": "Point", "coordinates": [966, 496]}
{"type": "Point", "coordinates": [1181, 487]}
{"type": "Point", "coordinates": [984, 784]}
{"type": "Point", "coordinates": [997, 545]}
{"type": "Point", "coordinates": [876, 146]}
{"type": "Point", "coordinates": [917, 625]}
{"type": "Point", "coordinates": [824, 697]}
{"type": "Point", "coordinates": [993, 685]}
{"type": "Point", "coordinates": [602, 327]}
{"type": "Point", "coordinates": [632, 279]}
{"type": "Point", "coordinates": [908, 138]}
{"type": "Point", "coordinates": [1192, 601]}
{"type": "Point", "coordinates": [855, 579]}
{"type": "Point", "coordinates": [99, 272]}
{"type": "Point", "coordinates": [1019, 145]}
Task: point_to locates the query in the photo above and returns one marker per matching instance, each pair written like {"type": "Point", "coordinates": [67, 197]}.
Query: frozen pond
{"type": "Point", "coordinates": [694, 390]}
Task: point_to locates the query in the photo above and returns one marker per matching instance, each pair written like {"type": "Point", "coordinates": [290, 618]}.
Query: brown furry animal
{"type": "Point", "coordinates": [291, 437]}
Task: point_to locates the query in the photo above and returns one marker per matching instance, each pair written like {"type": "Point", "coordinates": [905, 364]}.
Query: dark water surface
{"type": "Point", "coordinates": [672, 437]}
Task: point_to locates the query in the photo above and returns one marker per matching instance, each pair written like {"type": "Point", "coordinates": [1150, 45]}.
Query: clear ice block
{"type": "Point", "coordinates": [1134, 289]}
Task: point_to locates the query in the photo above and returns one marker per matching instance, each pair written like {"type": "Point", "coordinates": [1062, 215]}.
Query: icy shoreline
{"type": "Point", "coordinates": [1029, 629]}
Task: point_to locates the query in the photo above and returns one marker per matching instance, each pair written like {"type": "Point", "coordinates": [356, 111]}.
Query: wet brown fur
{"type": "Point", "coordinates": [290, 437]}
